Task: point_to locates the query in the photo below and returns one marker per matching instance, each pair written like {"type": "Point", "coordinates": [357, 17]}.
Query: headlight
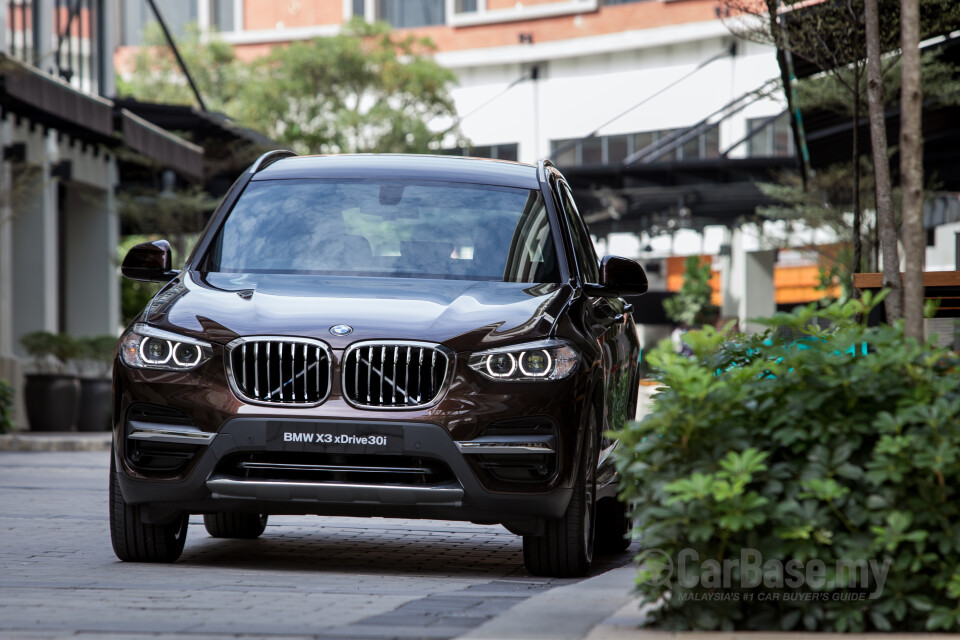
{"type": "Point", "coordinates": [144, 347]}
{"type": "Point", "coordinates": [543, 360]}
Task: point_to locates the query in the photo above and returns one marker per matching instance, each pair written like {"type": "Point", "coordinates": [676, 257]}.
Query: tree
{"type": "Point", "coordinates": [911, 168]}
{"type": "Point", "coordinates": [691, 305]}
{"type": "Point", "coordinates": [886, 222]}
{"type": "Point", "coordinates": [832, 36]}
{"type": "Point", "coordinates": [155, 76]}
{"type": "Point", "coordinates": [829, 36]}
{"type": "Point", "coordinates": [364, 90]}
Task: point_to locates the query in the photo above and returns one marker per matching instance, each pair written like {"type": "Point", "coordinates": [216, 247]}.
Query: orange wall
{"type": "Point", "coordinates": [676, 268]}
{"type": "Point", "coordinates": [793, 284]}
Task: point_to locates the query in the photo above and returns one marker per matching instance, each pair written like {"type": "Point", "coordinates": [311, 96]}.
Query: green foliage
{"type": "Point", "coordinates": [691, 305]}
{"type": "Point", "coordinates": [364, 90]}
{"type": "Point", "coordinates": [51, 352]}
{"type": "Point", "coordinates": [6, 407]}
{"type": "Point", "coordinates": [827, 203]}
{"type": "Point", "coordinates": [155, 75]}
{"type": "Point", "coordinates": [788, 444]}
{"type": "Point", "coordinates": [940, 78]}
{"type": "Point", "coordinates": [96, 352]}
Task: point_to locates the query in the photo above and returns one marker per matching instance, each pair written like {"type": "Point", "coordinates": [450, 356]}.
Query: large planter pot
{"type": "Point", "coordinates": [52, 401]}
{"type": "Point", "coordinates": [95, 395]}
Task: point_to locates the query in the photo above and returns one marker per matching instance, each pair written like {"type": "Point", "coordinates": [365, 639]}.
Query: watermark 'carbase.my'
{"type": "Point", "coordinates": [750, 571]}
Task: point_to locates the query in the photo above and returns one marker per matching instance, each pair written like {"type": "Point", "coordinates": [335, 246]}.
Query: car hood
{"type": "Point", "coordinates": [462, 314]}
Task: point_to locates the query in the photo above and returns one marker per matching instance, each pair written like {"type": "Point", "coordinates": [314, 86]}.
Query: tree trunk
{"type": "Point", "coordinates": [886, 224]}
{"type": "Point", "coordinates": [911, 167]}
{"type": "Point", "coordinates": [857, 223]}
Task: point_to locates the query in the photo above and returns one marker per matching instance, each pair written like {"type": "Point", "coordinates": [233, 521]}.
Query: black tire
{"type": "Point", "coordinates": [234, 525]}
{"type": "Point", "coordinates": [613, 527]}
{"type": "Point", "coordinates": [566, 548]}
{"type": "Point", "coordinates": [135, 541]}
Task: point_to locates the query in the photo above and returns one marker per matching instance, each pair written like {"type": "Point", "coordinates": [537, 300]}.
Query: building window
{"type": "Point", "coordinates": [494, 151]}
{"type": "Point", "coordinates": [222, 15]}
{"type": "Point", "coordinates": [617, 148]}
{"type": "Point", "coordinates": [136, 14]}
{"type": "Point", "coordinates": [412, 13]}
{"type": "Point", "coordinates": [465, 6]}
{"type": "Point", "coordinates": [358, 8]}
{"type": "Point", "coordinates": [773, 139]}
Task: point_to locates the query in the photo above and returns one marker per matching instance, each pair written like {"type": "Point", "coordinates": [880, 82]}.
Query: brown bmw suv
{"type": "Point", "coordinates": [379, 335]}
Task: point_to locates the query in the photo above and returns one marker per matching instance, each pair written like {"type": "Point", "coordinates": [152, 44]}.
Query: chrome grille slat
{"type": "Point", "coordinates": [276, 370]}
{"type": "Point", "coordinates": [394, 374]}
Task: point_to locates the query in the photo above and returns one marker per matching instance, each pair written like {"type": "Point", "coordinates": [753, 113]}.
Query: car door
{"type": "Point", "coordinates": [607, 318]}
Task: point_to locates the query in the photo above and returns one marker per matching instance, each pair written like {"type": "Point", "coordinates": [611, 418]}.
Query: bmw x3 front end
{"type": "Point", "coordinates": [373, 336]}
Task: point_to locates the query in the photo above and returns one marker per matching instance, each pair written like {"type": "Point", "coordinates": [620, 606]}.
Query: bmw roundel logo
{"type": "Point", "coordinates": [341, 329]}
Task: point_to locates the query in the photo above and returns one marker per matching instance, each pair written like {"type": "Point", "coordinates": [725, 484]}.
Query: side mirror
{"type": "Point", "coordinates": [619, 277]}
{"type": "Point", "coordinates": [149, 262]}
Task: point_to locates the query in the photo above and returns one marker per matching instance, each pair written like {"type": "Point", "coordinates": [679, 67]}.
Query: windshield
{"type": "Point", "coordinates": [387, 228]}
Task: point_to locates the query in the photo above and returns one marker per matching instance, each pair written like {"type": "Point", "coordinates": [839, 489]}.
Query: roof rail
{"type": "Point", "coordinates": [542, 165]}
{"type": "Point", "coordinates": [269, 158]}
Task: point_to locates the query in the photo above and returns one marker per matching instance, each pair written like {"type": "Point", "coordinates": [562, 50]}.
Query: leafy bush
{"type": "Point", "coordinates": [796, 450]}
{"type": "Point", "coordinates": [6, 407]}
{"type": "Point", "coordinates": [96, 353]}
{"type": "Point", "coordinates": [51, 352]}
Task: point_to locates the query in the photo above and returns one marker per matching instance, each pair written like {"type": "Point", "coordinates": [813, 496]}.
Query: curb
{"type": "Point", "coordinates": [563, 613]}
{"type": "Point", "coordinates": [56, 441]}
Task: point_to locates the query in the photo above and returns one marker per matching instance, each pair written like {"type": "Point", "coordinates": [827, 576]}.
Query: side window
{"type": "Point", "coordinates": [582, 245]}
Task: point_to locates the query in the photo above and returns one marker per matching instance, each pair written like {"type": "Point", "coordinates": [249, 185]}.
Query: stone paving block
{"type": "Point", "coordinates": [356, 578]}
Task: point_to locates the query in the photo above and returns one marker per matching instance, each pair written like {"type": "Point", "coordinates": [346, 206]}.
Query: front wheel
{"type": "Point", "coordinates": [566, 548]}
{"type": "Point", "coordinates": [134, 540]}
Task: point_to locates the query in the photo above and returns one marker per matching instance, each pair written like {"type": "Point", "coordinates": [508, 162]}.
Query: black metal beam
{"type": "Point", "coordinates": [176, 53]}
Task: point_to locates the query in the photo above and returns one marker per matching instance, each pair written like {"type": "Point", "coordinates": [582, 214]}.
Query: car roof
{"type": "Point", "coordinates": [403, 167]}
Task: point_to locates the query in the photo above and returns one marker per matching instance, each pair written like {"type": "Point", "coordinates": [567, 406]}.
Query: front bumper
{"type": "Point", "coordinates": [459, 496]}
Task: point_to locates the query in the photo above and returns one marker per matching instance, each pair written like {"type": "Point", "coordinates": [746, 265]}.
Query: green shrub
{"type": "Point", "coordinates": [96, 354]}
{"type": "Point", "coordinates": [797, 450]}
{"type": "Point", "coordinates": [51, 352]}
{"type": "Point", "coordinates": [6, 407]}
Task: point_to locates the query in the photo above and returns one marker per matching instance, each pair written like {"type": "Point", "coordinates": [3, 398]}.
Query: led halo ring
{"type": "Point", "coordinates": [513, 365]}
{"type": "Point", "coordinates": [184, 363]}
{"type": "Point", "coordinates": [546, 371]}
{"type": "Point", "coordinates": [144, 357]}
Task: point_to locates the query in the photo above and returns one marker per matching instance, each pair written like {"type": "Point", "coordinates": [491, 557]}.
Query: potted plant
{"type": "Point", "coordinates": [95, 361]}
{"type": "Point", "coordinates": [52, 392]}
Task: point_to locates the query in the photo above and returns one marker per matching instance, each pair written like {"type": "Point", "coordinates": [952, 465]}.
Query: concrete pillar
{"type": "Point", "coordinates": [45, 42]}
{"type": "Point", "coordinates": [6, 246]}
{"type": "Point", "coordinates": [91, 289]}
{"type": "Point", "coordinates": [747, 283]}
{"type": "Point", "coordinates": [4, 27]}
{"type": "Point", "coordinates": [35, 238]}
{"type": "Point", "coordinates": [760, 299]}
{"type": "Point", "coordinates": [731, 274]}
{"type": "Point", "coordinates": [110, 23]}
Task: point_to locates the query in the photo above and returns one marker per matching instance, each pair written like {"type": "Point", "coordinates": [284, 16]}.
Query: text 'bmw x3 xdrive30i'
{"type": "Point", "coordinates": [376, 335]}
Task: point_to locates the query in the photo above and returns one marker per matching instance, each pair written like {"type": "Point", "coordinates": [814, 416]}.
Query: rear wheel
{"type": "Point", "coordinates": [613, 526]}
{"type": "Point", "coordinates": [135, 541]}
{"type": "Point", "coordinates": [235, 525]}
{"type": "Point", "coordinates": [566, 548]}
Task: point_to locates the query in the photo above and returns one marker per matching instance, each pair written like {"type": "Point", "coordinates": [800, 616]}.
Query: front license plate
{"type": "Point", "coordinates": [332, 437]}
